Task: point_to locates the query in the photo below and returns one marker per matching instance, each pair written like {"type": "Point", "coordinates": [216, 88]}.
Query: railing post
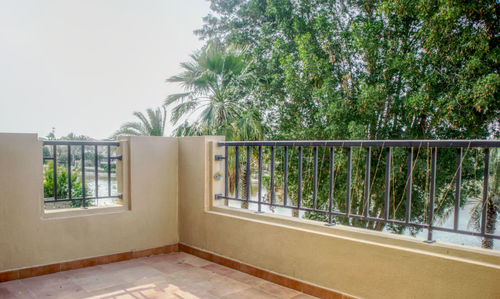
{"type": "Point", "coordinates": [69, 172]}
{"type": "Point", "coordinates": [409, 185]}
{"type": "Point", "coordinates": [226, 170]}
{"type": "Point", "coordinates": [315, 179]}
{"type": "Point", "coordinates": [83, 177]}
{"type": "Point", "coordinates": [237, 172]}
{"type": "Point", "coordinates": [367, 181]}
{"type": "Point", "coordinates": [387, 183]}
{"type": "Point", "coordinates": [109, 171]}
{"type": "Point", "coordinates": [458, 183]}
{"type": "Point", "coordinates": [54, 163]}
{"type": "Point", "coordinates": [259, 209]}
{"type": "Point", "coordinates": [96, 171]}
{"type": "Point", "coordinates": [330, 189]}
{"type": "Point", "coordinates": [272, 176]}
{"type": "Point", "coordinates": [285, 176]}
{"type": "Point", "coordinates": [485, 190]}
{"type": "Point", "coordinates": [349, 172]}
{"type": "Point", "coordinates": [432, 195]}
{"type": "Point", "coordinates": [247, 187]}
{"type": "Point", "coordinates": [299, 180]}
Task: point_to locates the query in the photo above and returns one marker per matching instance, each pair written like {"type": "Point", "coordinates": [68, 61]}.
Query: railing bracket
{"type": "Point", "coordinates": [219, 157]}
{"type": "Point", "coordinates": [429, 241]}
{"type": "Point", "coordinates": [330, 224]}
{"type": "Point", "coordinates": [218, 196]}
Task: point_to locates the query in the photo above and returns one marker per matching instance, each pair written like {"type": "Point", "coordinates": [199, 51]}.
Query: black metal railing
{"type": "Point", "coordinates": [330, 204]}
{"type": "Point", "coordinates": [51, 147]}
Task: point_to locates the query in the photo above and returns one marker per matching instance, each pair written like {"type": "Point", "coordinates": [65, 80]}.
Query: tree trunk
{"type": "Point", "coordinates": [244, 184]}
{"type": "Point", "coordinates": [491, 218]}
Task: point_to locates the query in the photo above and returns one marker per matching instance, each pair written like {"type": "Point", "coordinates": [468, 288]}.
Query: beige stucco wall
{"type": "Point", "coordinates": [30, 238]}
{"type": "Point", "coordinates": [368, 265]}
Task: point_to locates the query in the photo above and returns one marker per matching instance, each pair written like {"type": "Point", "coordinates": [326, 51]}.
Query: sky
{"type": "Point", "coordinates": [84, 66]}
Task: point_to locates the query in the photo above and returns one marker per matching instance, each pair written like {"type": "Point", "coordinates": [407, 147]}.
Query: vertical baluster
{"type": "Point", "coordinates": [83, 176]}
{"type": "Point", "coordinates": [432, 195]}
{"type": "Point", "coordinates": [237, 171]}
{"type": "Point", "coordinates": [315, 178]}
{"type": "Point", "coordinates": [54, 148]}
{"type": "Point", "coordinates": [458, 183]}
{"type": "Point", "coordinates": [387, 183]}
{"type": "Point", "coordinates": [69, 172]}
{"type": "Point", "coordinates": [285, 176]}
{"type": "Point", "coordinates": [226, 181]}
{"type": "Point", "coordinates": [96, 171]}
{"type": "Point", "coordinates": [349, 173]}
{"type": "Point", "coordinates": [248, 175]}
{"type": "Point", "coordinates": [484, 210]}
{"type": "Point", "coordinates": [260, 180]}
{"type": "Point", "coordinates": [367, 180]}
{"type": "Point", "coordinates": [330, 190]}
{"type": "Point", "coordinates": [272, 176]}
{"type": "Point", "coordinates": [299, 180]}
{"type": "Point", "coordinates": [109, 171]}
{"type": "Point", "coordinates": [409, 185]}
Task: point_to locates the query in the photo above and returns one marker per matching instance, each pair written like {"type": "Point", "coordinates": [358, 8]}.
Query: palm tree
{"type": "Point", "coordinates": [217, 82]}
{"type": "Point", "coordinates": [152, 125]}
{"type": "Point", "coordinates": [492, 204]}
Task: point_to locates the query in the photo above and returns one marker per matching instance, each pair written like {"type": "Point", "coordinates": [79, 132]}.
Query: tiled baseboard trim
{"type": "Point", "coordinates": [82, 263]}
{"type": "Point", "coordinates": [285, 281]}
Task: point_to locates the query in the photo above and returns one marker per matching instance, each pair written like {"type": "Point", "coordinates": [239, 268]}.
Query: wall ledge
{"type": "Point", "coordinates": [461, 253]}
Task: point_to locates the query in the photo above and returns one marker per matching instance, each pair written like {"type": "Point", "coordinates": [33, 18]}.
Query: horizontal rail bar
{"type": "Point", "coordinates": [81, 198]}
{"type": "Point", "coordinates": [390, 221]}
{"type": "Point", "coordinates": [76, 142]}
{"type": "Point", "coordinates": [368, 143]}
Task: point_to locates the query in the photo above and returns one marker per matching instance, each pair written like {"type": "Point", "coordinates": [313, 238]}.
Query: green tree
{"type": "Point", "coordinates": [63, 184]}
{"type": "Point", "coordinates": [151, 124]}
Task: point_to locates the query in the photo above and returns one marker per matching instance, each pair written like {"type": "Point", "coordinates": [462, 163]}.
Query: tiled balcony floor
{"type": "Point", "coordinates": [175, 275]}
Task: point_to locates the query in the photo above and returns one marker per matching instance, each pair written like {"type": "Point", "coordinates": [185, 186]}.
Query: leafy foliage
{"type": "Point", "coordinates": [217, 94]}
{"type": "Point", "coordinates": [151, 124]}
{"type": "Point", "coordinates": [63, 184]}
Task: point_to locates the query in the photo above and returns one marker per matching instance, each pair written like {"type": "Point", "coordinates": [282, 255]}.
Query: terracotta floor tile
{"type": "Point", "coordinates": [15, 289]}
{"type": "Point", "coordinates": [221, 270]}
{"type": "Point", "coordinates": [246, 278]}
{"type": "Point", "coordinates": [249, 294]}
{"type": "Point", "coordinates": [174, 275]}
{"type": "Point", "coordinates": [195, 261]}
{"type": "Point", "coordinates": [278, 290]}
{"type": "Point", "coordinates": [169, 267]}
{"type": "Point", "coordinates": [220, 286]}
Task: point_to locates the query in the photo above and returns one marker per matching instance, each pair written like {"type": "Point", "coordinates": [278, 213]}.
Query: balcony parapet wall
{"type": "Point", "coordinates": [30, 237]}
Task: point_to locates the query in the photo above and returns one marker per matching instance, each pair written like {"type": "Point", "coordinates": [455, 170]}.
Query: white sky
{"type": "Point", "coordinates": [84, 66]}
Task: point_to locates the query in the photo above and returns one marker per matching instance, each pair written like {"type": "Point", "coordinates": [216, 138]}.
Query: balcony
{"type": "Point", "coordinates": [180, 230]}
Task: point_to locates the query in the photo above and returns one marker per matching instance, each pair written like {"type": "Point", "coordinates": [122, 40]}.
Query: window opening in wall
{"type": "Point", "coordinates": [80, 174]}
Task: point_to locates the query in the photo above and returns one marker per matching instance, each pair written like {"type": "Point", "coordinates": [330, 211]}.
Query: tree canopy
{"type": "Point", "coordinates": [371, 69]}
{"type": "Point", "coordinates": [151, 124]}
